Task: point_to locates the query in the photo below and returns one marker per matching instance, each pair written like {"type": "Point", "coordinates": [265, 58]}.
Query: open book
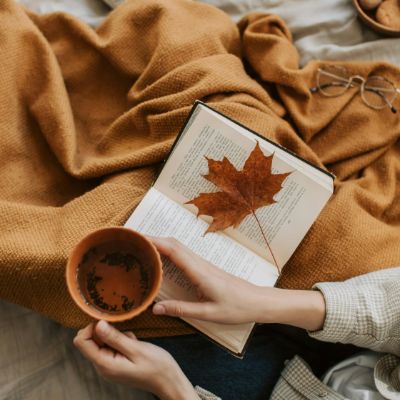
{"type": "Point", "coordinates": [241, 251]}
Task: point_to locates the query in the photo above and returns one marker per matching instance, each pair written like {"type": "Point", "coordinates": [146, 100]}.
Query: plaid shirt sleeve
{"type": "Point", "coordinates": [297, 382]}
{"type": "Point", "coordinates": [205, 395]}
{"type": "Point", "coordinates": [364, 311]}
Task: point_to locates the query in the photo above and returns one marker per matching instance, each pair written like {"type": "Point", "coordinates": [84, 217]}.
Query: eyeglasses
{"type": "Point", "coordinates": [376, 91]}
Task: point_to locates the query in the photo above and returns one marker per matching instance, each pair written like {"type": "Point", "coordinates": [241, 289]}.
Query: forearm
{"type": "Point", "coordinates": [301, 308]}
{"type": "Point", "coordinates": [362, 311]}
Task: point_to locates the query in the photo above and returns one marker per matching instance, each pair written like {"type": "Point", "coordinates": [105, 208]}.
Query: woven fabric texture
{"type": "Point", "coordinates": [88, 115]}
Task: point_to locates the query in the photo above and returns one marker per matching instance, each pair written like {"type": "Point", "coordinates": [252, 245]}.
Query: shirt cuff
{"type": "Point", "coordinates": [298, 382]}
{"type": "Point", "coordinates": [341, 308]}
{"type": "Point", "coordinates": [205, 394]}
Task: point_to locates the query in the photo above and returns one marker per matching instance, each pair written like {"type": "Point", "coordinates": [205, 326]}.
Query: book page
{"type": "Point", "coordinates": [284, 223]}
{"type": "Point", "coordinates": [157, 215]}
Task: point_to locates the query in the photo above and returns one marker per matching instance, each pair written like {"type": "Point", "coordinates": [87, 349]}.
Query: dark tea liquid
{"type": "Point", "coordinates": [113, 279]}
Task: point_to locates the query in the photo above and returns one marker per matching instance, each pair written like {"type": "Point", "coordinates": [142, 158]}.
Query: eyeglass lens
{"type": "Point", "coordinates": [333, 80]}
{"type": "Point", "coordinates": [378, 92]}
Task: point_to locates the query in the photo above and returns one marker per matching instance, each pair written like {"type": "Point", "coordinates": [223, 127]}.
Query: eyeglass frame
{"type": "Point", "coordinates": [355, 80]}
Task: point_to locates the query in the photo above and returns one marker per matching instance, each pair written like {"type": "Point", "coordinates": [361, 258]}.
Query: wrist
{"type": "Point", "coordinates": [178, 389]}
{"type": "Point", "coordinates": [301, 308]}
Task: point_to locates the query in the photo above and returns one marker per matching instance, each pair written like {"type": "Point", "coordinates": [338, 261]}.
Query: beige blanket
{"type": "Point", "coordinates": [86, 117]}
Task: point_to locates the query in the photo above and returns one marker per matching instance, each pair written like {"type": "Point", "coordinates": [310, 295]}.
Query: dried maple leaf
{"type": "Point", "coordinates": [242, 192]}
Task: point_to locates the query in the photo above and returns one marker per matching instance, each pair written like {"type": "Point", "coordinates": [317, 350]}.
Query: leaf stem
{"type": "Point", "coordinates": [266, 241]}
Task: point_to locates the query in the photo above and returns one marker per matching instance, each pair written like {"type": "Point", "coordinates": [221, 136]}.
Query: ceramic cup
{"type": "Point", "coordinates": [114, 274]}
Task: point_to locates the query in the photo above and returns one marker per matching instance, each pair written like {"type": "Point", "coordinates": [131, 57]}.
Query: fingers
{"type": "Point", "coordinates": [183, 309]}
{"type": "Point", "coordinates": [130, 334]}
{"type": "Point", "coordinates": [112, 337]}
{"type": "Point", "coordinates": [83, 341]}
{"type": "Point", "coordinates": [85, 333]}
{"type": "Point", "coordinates": [181, 256]}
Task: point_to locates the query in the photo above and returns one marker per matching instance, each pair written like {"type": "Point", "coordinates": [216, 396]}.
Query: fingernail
{"type": "Point", "coordinates": [102, 327]}
{"type": "Point", "coordinates": [158, 309]}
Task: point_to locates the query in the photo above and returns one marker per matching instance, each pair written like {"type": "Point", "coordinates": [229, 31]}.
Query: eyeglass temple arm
{"type": "Point", "coordinates": [337, 77]}
{"type": "Point", "coordinates": [325, 85]}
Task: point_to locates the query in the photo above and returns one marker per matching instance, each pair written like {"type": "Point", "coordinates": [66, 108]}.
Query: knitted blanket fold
{"type": "Point", "coordinates": [87, 116]}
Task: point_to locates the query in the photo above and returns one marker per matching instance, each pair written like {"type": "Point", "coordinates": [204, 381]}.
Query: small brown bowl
{"type": "Point", "coordinates": [114, 274]}
{"type": "Point", "coordinates": [368, 18]}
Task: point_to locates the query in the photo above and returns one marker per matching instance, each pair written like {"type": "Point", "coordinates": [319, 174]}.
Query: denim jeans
{"type": "Point", "coordinates": [254, 376]}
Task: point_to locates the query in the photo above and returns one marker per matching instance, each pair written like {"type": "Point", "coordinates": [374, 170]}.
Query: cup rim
{"type": "Point", "coordinates": [78, 298]}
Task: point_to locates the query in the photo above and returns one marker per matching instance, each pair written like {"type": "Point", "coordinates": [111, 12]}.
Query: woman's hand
{"type": "Point", "coordinates": [134, 363]}
{"type": "Point", "coordinates": [227, 299]}
{"type": "Point", "coordinates": [222, 297]}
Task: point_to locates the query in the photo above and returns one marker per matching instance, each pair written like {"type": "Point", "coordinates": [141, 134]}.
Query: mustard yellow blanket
{"type": "Point", "coordinates": [87, 116]}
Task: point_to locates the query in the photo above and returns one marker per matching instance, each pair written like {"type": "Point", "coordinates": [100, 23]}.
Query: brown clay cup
{"type": "Point", "coordinates": [114, 274]}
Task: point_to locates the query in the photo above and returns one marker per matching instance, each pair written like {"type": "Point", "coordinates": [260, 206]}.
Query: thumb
{"type": "Point", "coordinates": [113, 338]}
{"type": "Point", "coordinates": [182, 309]}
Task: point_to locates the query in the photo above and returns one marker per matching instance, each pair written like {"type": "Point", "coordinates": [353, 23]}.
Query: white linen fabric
{"type": "Point", "coordinates": [353, 378]}
{"type": "Point", "coordinates": [38, 360]}
{"type": "Point", "coordinates": [326, 30]}
{"type": "Point", "coordinates": [92, 12]}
